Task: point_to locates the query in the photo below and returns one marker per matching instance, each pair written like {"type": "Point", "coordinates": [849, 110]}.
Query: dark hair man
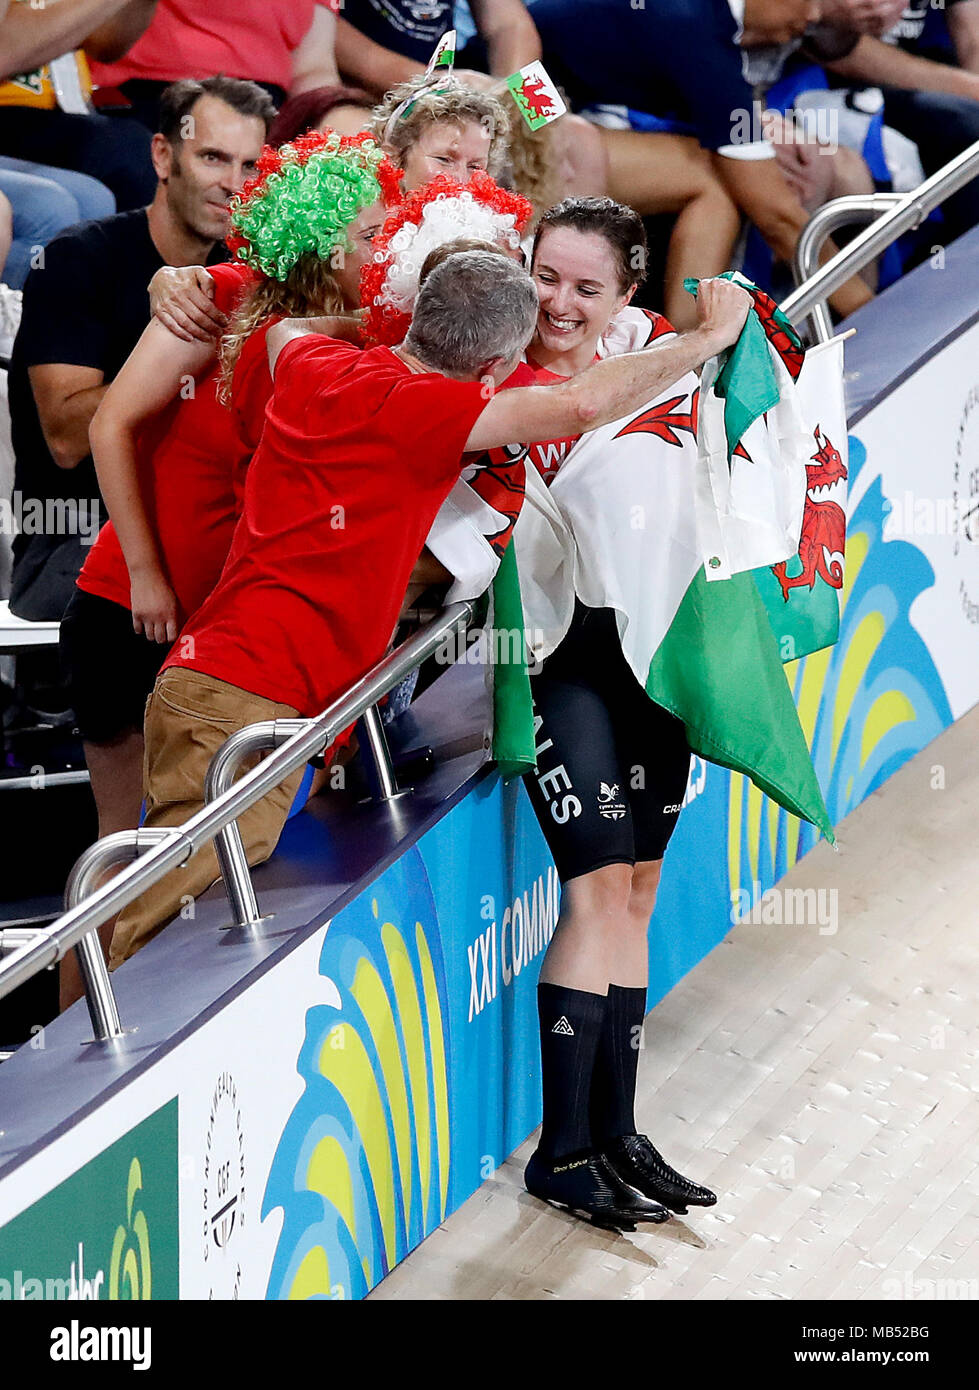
{"type": "Point", "coordinates": [85, 306]}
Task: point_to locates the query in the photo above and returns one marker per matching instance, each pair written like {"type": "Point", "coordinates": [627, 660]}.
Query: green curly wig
{"type": "Point", "coordinates": [304, 198]}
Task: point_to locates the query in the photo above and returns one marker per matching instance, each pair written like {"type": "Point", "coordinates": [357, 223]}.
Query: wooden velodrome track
{"type": "Point", "coordinates": [824, 1085]}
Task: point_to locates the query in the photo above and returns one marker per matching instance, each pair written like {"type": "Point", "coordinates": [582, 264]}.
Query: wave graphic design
{"type": "Point", "coordinates": [361, 1171]}
{"type": "Point", "coordinates": [867, 705]}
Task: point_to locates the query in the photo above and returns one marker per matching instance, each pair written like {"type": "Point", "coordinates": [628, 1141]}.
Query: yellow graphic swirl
{"type": "Point", "coordinates": [312, 1278]}
{"type": "Point", "coordinates": [378, 1148]}
{"type": "Point", "coordinates": [344, 1061]}
{"type": "Point", "coordinates": [436, 1039]}
{"type": "Point", "coordinates": [130, 1270]}
{"type": "Point", "coordinates": [369, 992]}
{"type": "Point", "coordinates": [329, 1175]}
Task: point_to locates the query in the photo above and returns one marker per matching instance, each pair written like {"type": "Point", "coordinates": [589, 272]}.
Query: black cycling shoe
{"type": "Point", "coordinates": [587, 1185]}
{"type": "Point", "coordinates": [636, 1162]}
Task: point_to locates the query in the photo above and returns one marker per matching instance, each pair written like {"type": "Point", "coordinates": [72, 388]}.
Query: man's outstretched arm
{"type": "Point", "coordinates": [617, 386]}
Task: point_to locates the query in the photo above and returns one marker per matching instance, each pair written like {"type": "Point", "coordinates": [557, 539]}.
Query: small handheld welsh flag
{"type": "Point", "coordinates": [537, 98]}
{"type": "Point", "coordinates": [444, 57]}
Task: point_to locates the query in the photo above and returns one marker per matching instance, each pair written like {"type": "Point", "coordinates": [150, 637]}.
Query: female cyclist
{"type": "Point", "coordinates": [611, 775]}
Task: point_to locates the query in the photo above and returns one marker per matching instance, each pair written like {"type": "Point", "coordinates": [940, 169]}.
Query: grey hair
{"type": "Point", "coordinates": [472, 308]}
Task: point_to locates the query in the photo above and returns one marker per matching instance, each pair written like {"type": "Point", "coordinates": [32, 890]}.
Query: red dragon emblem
{"type": "Point", "coordinates": [823, 524]}
{"type": "Point", "coordinates": [500, 482]}
{"type": "Point", "coordinates": [665, 418]}
{"type": "Point", "coordinates": [786, 343]}
{"type": "Point", "coordinates": [537, 97]}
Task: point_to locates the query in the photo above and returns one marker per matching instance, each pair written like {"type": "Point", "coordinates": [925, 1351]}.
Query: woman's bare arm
{"type": "Point", "coordinates": [182, 298]}
{"type": "Point", "coordinates": [157, 369]}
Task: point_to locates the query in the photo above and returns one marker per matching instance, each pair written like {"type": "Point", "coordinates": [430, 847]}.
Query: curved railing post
{"type": "Point", "coordinates": [907, 212]}
{"type": "Point", "coordinates": [839, 212]}
{"type": "Point", "coordinates": [120, 848]}
{"type": "Point", "coordinates": [221, 773]}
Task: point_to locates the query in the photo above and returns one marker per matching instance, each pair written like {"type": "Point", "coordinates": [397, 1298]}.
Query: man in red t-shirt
{"type": "Point", "coordinates": [359, 451]}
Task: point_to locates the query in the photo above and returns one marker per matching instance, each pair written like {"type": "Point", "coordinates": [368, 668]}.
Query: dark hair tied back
{"type": "Point", "coordinates": [620, 226]}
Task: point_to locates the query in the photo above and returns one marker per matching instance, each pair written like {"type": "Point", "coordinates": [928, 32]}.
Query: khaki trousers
{"type": "Point", "coordinates": [188, 717]}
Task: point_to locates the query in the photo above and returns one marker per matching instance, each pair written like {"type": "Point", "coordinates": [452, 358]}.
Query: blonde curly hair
{"type": "Point", "coordinates": [309, 289]}
{"type": "Point", "coordinates": [442, 100]}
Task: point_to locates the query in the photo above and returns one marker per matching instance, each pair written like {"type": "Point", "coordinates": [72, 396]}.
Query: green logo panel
{"type": "Point", "coordinates": [110, 1231]}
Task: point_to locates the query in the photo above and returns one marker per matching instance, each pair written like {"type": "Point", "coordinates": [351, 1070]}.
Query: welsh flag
{"type": "Point", "coordinates": [802, 595]}
{"type": "Point", "coordinates": [443, 59]}
{"type": "Point", "coordinates": [619, 527]}
{"type": "Point", "coordinates": [536, 97]}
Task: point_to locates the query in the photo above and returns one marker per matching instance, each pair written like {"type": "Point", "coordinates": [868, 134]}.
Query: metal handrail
{"type": "Point", "coordinates": [909, 212]}
{"type": "Point", "coordinates": [840, 212]}
{"type": "Point", "coordinates": [175, 846]}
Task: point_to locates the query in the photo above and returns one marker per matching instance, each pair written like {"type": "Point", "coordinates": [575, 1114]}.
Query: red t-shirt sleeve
{"type": "Point", "coordinates": [232, 280]}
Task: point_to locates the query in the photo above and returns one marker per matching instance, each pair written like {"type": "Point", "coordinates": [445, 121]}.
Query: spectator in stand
{"type": "Point", "coordinates": [383, 42]}
{"type": "Point", "coordinates": [382, 45]}
{"type": "Point", "coordinates": [347, 110]}
{"type": "Point", "coordinates": [47, 113]}
{"type": "Point", "coordinates": [85, 308]}
{"type": "Point", "coordinates": [442, 127]}
{"type": "Point", "coordinates": [32, 34]}
{"type": "Point", "coordinates": [681, 61]}
{"type": "Point", "coordinates": [286, 46]}
{"type": "Point", "coordinates": [447, 129]}
{"type": "Point", "coordinates": [931, 94]}
{"type": "Point", "coordinates": [44, 202]}
{"type": "Point", "coordinates": [172, 464]}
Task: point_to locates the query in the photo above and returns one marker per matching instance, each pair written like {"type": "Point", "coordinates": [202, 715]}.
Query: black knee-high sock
{"type": "Point", "coordinates": [613, 1087]}
{"type": "Point", "coordinates": [570, 1028]}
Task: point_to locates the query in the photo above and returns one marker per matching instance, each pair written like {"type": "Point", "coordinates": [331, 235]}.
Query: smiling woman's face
{"type": "Point", "coordinates": [577, 279]}
{"type": "Point", "coordinates": [447, 147]}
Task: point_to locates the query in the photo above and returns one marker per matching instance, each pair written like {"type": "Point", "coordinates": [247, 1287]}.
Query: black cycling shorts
{"type": "Point", "coordinates": [612, 766]}
{"type": "Point", "coordinates": [109, 668]}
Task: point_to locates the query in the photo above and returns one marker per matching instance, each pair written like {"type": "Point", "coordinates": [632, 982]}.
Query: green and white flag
{"type": "Point", "coordinates": [537, 98]}
{"type": "Point", "coordinates": [618, 527]}
{"type": "Point", "coordinates": [773, 447]}
{"type": "Point", "coordinates": [802, 595]}
{"type": "Point", "coordinates": [443, 59]}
